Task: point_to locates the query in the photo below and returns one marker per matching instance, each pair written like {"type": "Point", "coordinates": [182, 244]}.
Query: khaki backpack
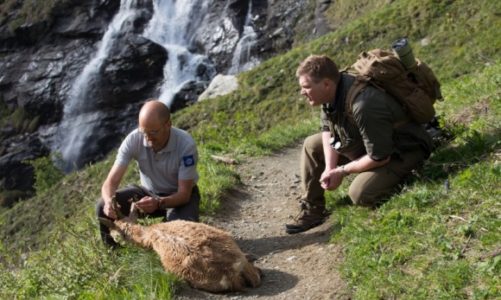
{"type": "Point", "coordinates": [415, 88]}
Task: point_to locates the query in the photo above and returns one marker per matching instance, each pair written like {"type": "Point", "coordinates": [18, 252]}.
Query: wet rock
{"type": "Point", "coordinates": [15, 171]}
{"type": "Point", "coordinates": [133, 69]}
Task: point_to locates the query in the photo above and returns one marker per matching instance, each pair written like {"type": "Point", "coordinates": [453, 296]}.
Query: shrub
{"type": "Point", "coordinates": [46, 173]}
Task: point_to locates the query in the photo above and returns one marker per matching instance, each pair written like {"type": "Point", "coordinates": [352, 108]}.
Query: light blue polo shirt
{"type": "Point", "coordinates": [160, 172]}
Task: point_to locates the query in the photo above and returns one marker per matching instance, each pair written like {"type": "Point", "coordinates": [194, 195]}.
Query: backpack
{"type": "Point", "coordinates": [415, 88]}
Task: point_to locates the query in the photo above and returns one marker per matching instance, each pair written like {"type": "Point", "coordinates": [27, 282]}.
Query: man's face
{"type": "Point", "coordinates": [317, 93]}
{"type": "Point", "coordinates": [155, 132]}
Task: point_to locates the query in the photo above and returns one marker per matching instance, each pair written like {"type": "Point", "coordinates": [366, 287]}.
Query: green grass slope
{"type": "Point", "coordinates": [437, 239]}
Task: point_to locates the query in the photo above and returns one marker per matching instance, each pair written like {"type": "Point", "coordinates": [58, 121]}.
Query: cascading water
{"type": "Point", "coordinates": [242, 59]}
{"type": "Point", "coordinates": [172, 26]}
{"type": "Point", "coordinates": [79, 118]}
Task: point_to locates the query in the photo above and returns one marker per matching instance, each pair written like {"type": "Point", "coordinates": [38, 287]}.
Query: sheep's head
{"type": "Point", "coordinates": [116, 231]}
{"type": "Point", "coordinates": [119, 227]}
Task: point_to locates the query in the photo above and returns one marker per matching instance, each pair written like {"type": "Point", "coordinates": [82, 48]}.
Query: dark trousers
{"type": "Point", "coordinates": [126, 196]}
{"type": "Point", "coordinates": [368, 188]}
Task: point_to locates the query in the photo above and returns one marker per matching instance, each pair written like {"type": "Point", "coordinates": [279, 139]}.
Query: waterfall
{"type": "Point", "coordinates": [242, 59]}
{"type": "Point", "coordinates": [79, 118]}
{"type": "Point", "coordinates": [172, 26]}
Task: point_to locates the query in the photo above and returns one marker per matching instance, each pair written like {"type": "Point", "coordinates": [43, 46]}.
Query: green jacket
{"type": "Point", "coordinates": [378, 125]}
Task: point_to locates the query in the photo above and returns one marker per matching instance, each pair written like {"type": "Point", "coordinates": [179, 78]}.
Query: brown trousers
{"type": "Point", "coordinates": [368, 188]}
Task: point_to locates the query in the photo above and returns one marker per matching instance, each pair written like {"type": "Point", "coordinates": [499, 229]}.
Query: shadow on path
{"type": "Point", "coordinates": [275, 244]}
{"type": "Point", "coordinates": [274, 282]}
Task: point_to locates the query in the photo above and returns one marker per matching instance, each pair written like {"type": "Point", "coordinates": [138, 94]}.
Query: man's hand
{"type": "Point", "coordinates": [148, 204]}
{"type": "Point", "coordinates": [109, 210]}
{"type": "Point", "coordinates": [332, 179]}
{"type": "Point", "coordinates": [109, 188]}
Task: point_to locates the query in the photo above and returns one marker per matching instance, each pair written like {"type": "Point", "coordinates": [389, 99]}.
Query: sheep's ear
{"type": "Point", "coordinates": [107, 222]}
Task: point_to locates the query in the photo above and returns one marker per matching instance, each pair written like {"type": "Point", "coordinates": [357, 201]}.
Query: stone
{"type": "Point", "coordinates": [219, 86]}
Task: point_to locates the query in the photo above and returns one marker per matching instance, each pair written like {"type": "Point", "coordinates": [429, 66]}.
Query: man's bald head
{"type": "Point", "coordinates": [154, 110]}
{"type": "Point", "coordinates": [155, 124]}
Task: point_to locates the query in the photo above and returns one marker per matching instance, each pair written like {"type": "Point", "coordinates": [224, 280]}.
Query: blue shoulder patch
{"type": "Point", "coordinates": [188, 160]}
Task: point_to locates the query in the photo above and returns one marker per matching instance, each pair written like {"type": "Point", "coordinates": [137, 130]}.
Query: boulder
{"type": "Point", "coordinates": [187, 95]}
{"type": "Point", "coordinates": [132, 71]}
{"type": "Point", "coordinates": [220, 85]}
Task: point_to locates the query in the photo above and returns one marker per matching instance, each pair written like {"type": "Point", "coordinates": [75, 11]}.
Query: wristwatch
{"type": "Point", "coordinates": [344, 172]}
{"type": "Point", "coordinates": [159, 202]}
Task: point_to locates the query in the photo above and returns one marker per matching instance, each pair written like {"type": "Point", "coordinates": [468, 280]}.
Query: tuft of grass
{"type": "Point", "coordinates": [215, 179]}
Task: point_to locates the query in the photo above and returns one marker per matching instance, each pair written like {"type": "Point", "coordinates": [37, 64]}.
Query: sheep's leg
{"type": "Point", "coordinates": [251, 275]}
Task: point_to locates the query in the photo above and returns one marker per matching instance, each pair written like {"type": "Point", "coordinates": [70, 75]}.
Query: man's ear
{"type": "Point", "coordinates": [107, 222]}
{"type": "Point", "coordinates": [328, 83]}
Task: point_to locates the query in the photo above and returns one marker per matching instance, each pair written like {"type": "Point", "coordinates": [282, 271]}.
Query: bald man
{"type": "Point", "coordinates": [167, 159]}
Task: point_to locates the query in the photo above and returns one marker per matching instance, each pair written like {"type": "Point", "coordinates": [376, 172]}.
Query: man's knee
{"type": "Point", "coordinates": [188, 212]}
{"type": "Point", "coordinates": [370, 189]}
{"type": "Point", "coordinates": [361, 197]}
{"type": "Point", "coordinates": [312, 156]}
{"type": "Point", "coordinates": [313, 144]}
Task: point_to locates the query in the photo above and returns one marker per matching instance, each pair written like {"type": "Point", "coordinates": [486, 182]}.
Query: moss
{"type": "Point", "coordinates": [17, 13]}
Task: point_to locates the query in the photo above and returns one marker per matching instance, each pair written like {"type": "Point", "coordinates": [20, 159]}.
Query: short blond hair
{"type": "Point", "coordinates": [318, 67]}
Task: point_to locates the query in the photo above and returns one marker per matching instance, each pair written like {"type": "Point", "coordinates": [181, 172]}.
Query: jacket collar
{"type": "Point", "coordinates": [337, 104]}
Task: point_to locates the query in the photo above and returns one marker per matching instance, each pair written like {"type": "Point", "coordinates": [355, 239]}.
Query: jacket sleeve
{"type": "Point", "coordinates": [374, 120]}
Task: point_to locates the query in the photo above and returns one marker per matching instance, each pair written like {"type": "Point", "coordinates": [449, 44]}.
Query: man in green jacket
{"type": "Point", "coordinates": [372, 137]}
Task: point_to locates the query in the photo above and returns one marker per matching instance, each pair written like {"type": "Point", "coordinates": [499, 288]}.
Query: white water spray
{"type": "Point", "coordinates": [242, 59]}
{"type": "Point", "coordinates": [78, 119]}
{"type": "Point", "coordinates": [170, 27]}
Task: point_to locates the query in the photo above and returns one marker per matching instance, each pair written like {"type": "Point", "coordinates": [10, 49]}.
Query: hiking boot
{"type": "Point", "coordinates": [309, 217]}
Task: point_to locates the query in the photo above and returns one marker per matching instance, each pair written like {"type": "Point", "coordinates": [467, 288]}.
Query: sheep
{"type": "Point", "coordinates": [204, 256]}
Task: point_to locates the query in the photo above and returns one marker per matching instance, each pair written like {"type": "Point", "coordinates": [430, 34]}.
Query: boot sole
{"type": "Point", "coordinates": [293, 229]}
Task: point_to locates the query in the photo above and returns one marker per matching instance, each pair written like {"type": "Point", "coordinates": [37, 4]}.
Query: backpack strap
{"type": "Point", "coordinates": [360, 83]}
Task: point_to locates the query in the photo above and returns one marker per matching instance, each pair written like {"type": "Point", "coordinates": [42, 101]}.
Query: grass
{"type": "Point", "coordinates": [431, 241]}
{"type": "Point", "coordinates": [428, 242]}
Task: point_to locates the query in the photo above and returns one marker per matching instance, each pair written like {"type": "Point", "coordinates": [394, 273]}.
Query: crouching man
{"type": "Point", "coordinates": [372, 137]}
{"type": "Point", "coordinates": [167, 159]}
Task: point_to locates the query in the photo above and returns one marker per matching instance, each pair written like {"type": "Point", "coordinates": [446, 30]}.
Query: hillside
{"type": "Point", "coordinates": [438, 239]}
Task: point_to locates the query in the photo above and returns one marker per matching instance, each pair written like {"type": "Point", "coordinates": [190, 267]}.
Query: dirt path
{"type": "Point", "coordinates": [301, 266]}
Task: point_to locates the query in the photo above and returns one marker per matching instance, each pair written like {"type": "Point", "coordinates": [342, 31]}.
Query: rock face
{"type": "Point", "coordinates": [274, 22]}
{"type": "Point", "coordinates": [40, 59]}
